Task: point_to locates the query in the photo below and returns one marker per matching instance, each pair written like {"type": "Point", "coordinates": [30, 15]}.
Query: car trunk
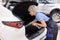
{"type": "Point", "coordinates": [21, 10]}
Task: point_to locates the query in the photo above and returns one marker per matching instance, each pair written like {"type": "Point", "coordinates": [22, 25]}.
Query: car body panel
{"type": "Point", "coordinates": [7, 32]}
{"type": "Point", "coordinates": [47, 8]}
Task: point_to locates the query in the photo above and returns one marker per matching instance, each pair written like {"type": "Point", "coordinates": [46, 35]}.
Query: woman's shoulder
{"type": "Point", "coordinates": [40, 13]}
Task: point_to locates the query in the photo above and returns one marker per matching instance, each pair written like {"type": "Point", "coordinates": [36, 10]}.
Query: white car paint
{"type": "Point", "coordinates": [11, 33]}
{"type": "Point", "coordinates": [47, 8]}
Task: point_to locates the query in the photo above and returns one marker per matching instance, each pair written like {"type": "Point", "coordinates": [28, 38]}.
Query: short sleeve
{"type": "Point", "coordinates": [41, 16]}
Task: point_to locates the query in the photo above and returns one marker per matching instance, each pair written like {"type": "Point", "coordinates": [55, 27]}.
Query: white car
{"type": "Point", "coordinates": [10, 28]}
{"type": "Point", "coordinates": [49, 7]}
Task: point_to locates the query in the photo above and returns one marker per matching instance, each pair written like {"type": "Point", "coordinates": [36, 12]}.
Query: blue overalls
{"type": "Point", "coordinates": [52, 28]}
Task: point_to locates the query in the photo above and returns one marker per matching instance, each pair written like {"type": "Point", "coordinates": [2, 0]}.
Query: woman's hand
{"type": "Point", "coordinates": [34, 24]}
{"type": "Point", "coordinates": [42, 24]}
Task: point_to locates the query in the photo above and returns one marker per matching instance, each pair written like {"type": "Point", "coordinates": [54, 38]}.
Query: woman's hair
{"type": "Point", "coordinates": [31, 7]}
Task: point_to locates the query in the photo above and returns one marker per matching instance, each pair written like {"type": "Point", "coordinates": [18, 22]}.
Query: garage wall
{"type": "Point", "coordinates": [18, 0]}
{"type": "Point", "coordinates": [58, 1]}
{"type": "Point", "coordinates": [55, 1]}
{"type": "Point", "coordinates": [12, 0]}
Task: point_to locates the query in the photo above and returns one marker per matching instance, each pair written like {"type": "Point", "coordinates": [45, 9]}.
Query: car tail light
{"type": "Point", "coordinates": [16, 24]}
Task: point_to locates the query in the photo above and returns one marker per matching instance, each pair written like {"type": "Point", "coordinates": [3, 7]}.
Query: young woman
{"type": "Point", "coordinates": [44, 21]}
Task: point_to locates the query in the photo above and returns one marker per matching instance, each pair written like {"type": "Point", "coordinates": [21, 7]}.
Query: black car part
{"type": "Point", "coordinates": [21, 10]}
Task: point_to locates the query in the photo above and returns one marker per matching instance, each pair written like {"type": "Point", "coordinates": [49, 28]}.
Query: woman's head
{"type": "Point", "coordinates": [32, 10]}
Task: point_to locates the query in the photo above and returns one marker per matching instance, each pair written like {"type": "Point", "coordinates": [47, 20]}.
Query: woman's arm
{"type": "Point", "coordinates": [34, 21]}
{"type": "Point", "coordinates": [42, 23]}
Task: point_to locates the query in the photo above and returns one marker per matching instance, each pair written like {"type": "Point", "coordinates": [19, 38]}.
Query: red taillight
{"type": "Point", "coordinates": [16, 24]}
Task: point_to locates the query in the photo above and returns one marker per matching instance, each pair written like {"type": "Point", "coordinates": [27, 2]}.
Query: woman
{"type": "Point", "coordinates": [44, 21]}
